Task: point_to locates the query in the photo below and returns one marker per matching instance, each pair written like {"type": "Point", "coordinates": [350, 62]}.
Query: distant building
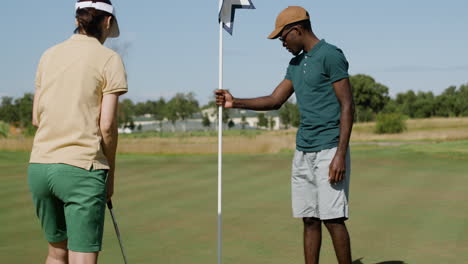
{"type": "Point", "coordinates": [124, 130]}
{"type": "Point", "coordinates": [251, 117]}
{"type": "Point", "coordinates": [148, 123]}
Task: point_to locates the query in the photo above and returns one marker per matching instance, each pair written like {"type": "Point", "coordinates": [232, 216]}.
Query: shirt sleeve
{"type": "Point", "coordinates": [115, 76]}
{"type": "Point", "coordinates": [37, 85]}
{"type": "Point", "coordinates": [288, 73]}
{"type": "Point", "coordinates": [336, 65]}
{"type": "Point", "coordinates": [37, 82]}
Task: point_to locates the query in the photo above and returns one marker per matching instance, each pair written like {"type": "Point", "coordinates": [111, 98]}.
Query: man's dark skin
{"type": "Point", "coordinates": [297, 39]}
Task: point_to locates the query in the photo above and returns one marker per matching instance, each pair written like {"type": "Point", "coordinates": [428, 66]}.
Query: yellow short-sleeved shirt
{"type": "Point", "coordinates": [72, 78]}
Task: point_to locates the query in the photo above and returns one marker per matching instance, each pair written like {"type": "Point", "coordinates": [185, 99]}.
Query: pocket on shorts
{"type": "Point", "coordinates": [99, 174]}
{"type": "Point", "coordinates": [327, 154]}
{"type": "Point", "coordinates": [100, 179]}
{"type": "Point", "coordinates": [300, 169]}
{"type": "Point", "coordinates": [298, 159]}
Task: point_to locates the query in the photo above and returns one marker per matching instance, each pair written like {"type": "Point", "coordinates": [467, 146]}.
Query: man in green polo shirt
{"type": "Point", "coordinates": [318, 74]}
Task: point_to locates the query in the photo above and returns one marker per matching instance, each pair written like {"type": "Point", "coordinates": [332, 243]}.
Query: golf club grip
{"type": "Point", "coordinates": [109, 205]}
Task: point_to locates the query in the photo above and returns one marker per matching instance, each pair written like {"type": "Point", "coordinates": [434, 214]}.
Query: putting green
{"type": "Point", "coordinates": [409, 203]}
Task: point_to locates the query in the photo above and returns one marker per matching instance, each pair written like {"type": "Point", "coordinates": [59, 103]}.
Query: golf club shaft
{"type": "Point", "coordinates": [116, 227]}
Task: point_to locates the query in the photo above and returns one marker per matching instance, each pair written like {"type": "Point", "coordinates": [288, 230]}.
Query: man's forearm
{"type": "Point", "coordinates": [346, 126]}
{"type": "Point", "coordinates": [264, 103]}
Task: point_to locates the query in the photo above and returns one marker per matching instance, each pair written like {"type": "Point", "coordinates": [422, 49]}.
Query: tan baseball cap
{"type": "Point", "coordinates": [289, 15]}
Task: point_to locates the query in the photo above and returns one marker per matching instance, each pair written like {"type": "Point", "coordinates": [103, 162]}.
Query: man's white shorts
{"type": "Point", "coordinates": [312, 193]}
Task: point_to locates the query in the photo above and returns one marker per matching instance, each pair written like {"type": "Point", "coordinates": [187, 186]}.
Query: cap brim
{"type": "Point", "coordinates": [114, 30]}
{"type": "Point", "coordinates": [275, 33]}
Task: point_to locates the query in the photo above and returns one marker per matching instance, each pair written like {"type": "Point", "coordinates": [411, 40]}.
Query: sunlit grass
{"type": "Point", "coordinates": [408, 204]}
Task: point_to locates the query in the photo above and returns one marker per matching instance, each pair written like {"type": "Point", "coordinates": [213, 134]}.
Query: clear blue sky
{"type": "Point", "coordinates": [173, 45]}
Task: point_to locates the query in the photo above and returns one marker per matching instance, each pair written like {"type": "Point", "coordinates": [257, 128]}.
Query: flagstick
{"type": "Point", "coordinates": [220, 143]}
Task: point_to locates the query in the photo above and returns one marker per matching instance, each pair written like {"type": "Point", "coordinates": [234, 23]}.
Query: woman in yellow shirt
{"type": "Point", "coordinates": [72, 164]}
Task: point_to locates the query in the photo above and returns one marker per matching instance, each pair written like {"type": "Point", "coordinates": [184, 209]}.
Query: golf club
{"type": "Point", "coordinates": [116, 227]}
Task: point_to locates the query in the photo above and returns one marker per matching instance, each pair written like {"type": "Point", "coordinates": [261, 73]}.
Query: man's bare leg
{"type": "Point", "coordinates": [312, 239]}
{"type": "Point", "coordinates": [340, 238]}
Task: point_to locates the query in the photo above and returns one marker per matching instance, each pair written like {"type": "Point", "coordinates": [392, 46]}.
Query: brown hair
{"type": "Point", "coordinates": [90, 21]}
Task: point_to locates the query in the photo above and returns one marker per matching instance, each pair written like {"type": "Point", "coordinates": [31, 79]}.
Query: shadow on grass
{"type": "Point", "coordinates": [359, 261]}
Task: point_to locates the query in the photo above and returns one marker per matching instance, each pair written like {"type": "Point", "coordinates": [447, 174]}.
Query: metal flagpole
{"type": "Point", "coordinates": [220, 138]}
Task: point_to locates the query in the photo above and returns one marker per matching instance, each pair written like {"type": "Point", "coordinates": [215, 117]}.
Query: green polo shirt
{"type": "Point", "coordinates": [312, 75]}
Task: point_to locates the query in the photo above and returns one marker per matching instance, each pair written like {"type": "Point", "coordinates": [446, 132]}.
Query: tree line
{"type": "Point", "coordinates": [181, 107]}
{"type": "Point", "coordinates": [371, 98]}
{"type": "Point", "coordinates": [17, 112]}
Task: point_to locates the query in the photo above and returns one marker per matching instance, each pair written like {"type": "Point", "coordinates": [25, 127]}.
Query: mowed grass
{"type": "Point", "coordinates": [409, 204]}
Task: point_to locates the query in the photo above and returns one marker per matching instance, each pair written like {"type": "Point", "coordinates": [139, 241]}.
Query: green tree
{"type": "Point", "coordinates": [190, 106]}
{"type": "Point", "coordinates": [131, 125]}
{"type": "Point", "coordinates": [271, 123]}
{"type": "Point", "coordinates": [243, 121]}
{"type": "Point", "coordinates": [186, 105]}
{"type": "Point", "coordinates": [289, 114]}
{"type": "Point", "coordinates": [370, 96]}
{"type": "Point", "coordinates": [446, 103]}
{"type": "Point", "coordinates": [159, 111]}
{"type": "Point", "coordinates": [144, 108]}
{"type": "Point", "coordinates": [18, 112]}
{"type": "Point", "coordinates": [390, 123]}
{"type": "Point", "coordinates": [462, 100]}
{"type": "Point", "coordinates": [8, 110]}
{"type": "Point", "coordinates": [126, 112]}
{"type": "Point", "coordinates": [262, 120]}
{"type": "Point", "coordinates": [416, 105]}
{"type": "Point", "coordinates": [206, 120]}
{"type": "Point", "coordinates": [406, 102]}
{"type": "Point", "coordinates": [4, 129]}
{"type": "Point", "coordinates": [226, 115]}
{"type": "Point", "coordinates": [285, 114]}
{"type": "Point", "coordinates": [451, 102]}
{"type": "Point", "coordinates": [231, 124]}
{"type": "Point", "coordinates": [182, 106]}
{"type": "Point", "coordinates": [391, 107]}
{"type": "Point", "coordinates": [424, 105]}
{"type": "Point", "coordinates": [172, 113]}
{"type": "Point", "coordinates": [295, 116]}
{"type": "Point", "coordinates": [24, 106]}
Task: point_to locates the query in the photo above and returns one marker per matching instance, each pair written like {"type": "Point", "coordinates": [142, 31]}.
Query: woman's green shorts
{"type": "Point", "coordinates": [70, 203]}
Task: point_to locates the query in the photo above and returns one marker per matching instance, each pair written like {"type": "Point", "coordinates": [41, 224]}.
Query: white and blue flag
{"type": "Point", "coordinates": [228, 10]}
